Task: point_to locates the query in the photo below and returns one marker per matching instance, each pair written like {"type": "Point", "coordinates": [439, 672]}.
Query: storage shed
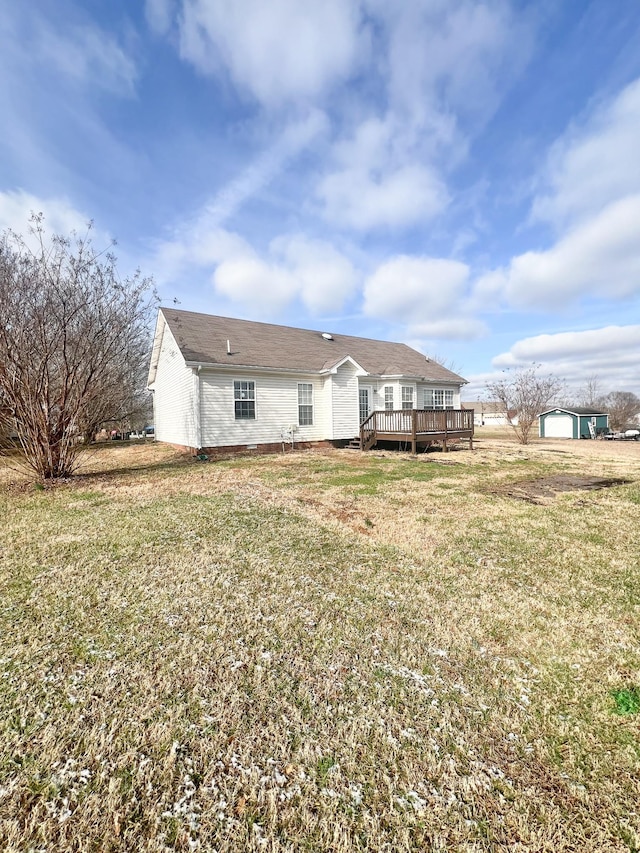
{"type": "Point", "coordinates": [573, 423]}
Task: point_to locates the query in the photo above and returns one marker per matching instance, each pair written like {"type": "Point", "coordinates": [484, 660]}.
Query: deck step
{"type": "Point", "coordinates": [354, 444]}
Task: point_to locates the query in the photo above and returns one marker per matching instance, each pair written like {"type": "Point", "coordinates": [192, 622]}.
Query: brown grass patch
{"type": "Point", "coordinates": [320, 651]}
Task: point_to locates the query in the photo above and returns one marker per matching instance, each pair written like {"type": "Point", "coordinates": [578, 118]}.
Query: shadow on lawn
{"type": "Point", "coordinates": [87, 473]}
{"type": "Point", "coordinates": [135, 469]}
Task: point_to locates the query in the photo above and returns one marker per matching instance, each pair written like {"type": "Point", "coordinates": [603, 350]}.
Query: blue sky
{"type": "Point", "coordinates": [462, 176]}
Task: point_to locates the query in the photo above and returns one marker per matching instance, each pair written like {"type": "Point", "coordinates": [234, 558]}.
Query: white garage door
{"type": "Point", "coordinates": [560, 426]}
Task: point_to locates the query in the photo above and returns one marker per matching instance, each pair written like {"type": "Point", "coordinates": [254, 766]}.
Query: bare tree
{"type": "Point", "coordinates": [623, 409]}
{"type": "Point", "coordinates": [446, 362]}
{"type": "Point", "coordinates": [74, 339]}
{"type": "Point", "coordinates": [5, 420]}
{"type": "Point", "coordinates": [524, 394]}
{"type": "Point", "coordinates": [590, 396]}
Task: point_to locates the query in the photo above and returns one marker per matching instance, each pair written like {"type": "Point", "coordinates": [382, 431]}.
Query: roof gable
{"type": "Point", "coordinates": [205, 339]}
{"type": "Point", "coordinates": [579, 411]}
{"type": "Point", "coordinates": [335, 366]}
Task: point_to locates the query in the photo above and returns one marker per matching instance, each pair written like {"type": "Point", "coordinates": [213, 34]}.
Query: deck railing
{"type": "Point", "coordinates": [413, 424]}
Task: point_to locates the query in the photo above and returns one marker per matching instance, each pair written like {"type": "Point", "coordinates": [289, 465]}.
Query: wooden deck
{"type": "Point", "coordinates": [421, 427]}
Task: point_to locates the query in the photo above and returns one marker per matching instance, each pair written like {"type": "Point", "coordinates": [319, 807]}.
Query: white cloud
{"type": "Point", "coordinates": [361, 200]}
{"type": "Point", "coordinates": [295, 267]}
{"type": "Point", "coordinates": [598, 259]}
{"type": "Point", "coordinates": [375, 181]}
{"type": "Point", "coordinates": [592, 196]}
{"type": "Point", "coordinates": [599, 344]}
{"type": "Point", "coordinates": [202, 239]}
{"type": "Point", "coordinates": [60, 217]}
{"type": "Point", "coordinates": [415, 290]}
{"type": "Point", "coordinates": [461, 328]}
{"type": "Point", "coordinates": [160, 14]}
{"type": "Point", "coordinates": [197, 244]}
{"type": "Point", "coordinates": [427, 295]}
{"type": "Point", "coordinates": [86, 55]}
{"type": "Point", "coordinates": [609, 353]}
{"type": "Point", "coordinates": [326, 278]}
{"type": "Point", "coordinates": [297, 136]}
{"type": "Point", "coordinates": [279, 51]}
{"type": "Point", "coordinates": [451, 56]}
{"type": "Point", "coordinates": [427, 66]}
{"type": "Point", "coordinates": [594, 164]}
{"type": "Point", "coordinates": [593, 180]}
{"type": "Point", "coordinates": [488, 290]}
{"type": "Point", "coordinates": [251, 281]}
{"type": "Point", "coordinates": [443, 68]}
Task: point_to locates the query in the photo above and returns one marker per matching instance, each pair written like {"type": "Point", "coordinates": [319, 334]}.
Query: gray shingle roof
{"type": "Point", "coordinates": [202, 339]}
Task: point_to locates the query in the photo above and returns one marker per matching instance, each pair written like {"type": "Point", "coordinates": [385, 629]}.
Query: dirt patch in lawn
{"type": "Point", "coordinates": [541, 490]}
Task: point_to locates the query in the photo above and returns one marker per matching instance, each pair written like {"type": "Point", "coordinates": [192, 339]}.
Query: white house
{"type": "Point", "coordinates": [219, 382]}
{"type": "Point", "coordinates": [489, 413]}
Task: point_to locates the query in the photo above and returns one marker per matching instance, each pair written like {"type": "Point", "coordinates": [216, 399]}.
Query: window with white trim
{"type": "Point", "coordinates": [244, 399]}
{"type": "Point", "coordinates": [407, 396]}
{"type": "Point", "coordinates": [388, 397]}
{"type": "Point", "coordinates": [438, 398]}
{"type": "Point", "coordinates": [305, 404]}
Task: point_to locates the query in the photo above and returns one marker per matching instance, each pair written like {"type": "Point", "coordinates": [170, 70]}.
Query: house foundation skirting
{"type": "Point", "coordinates": [252, 449]}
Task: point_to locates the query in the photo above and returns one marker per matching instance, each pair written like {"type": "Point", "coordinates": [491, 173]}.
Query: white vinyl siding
{"type": "Point", "coordinates": [344, 402]}
{"type": "Point", "coordinates": [174, 400]}
{"type": "Point", "coordinates": [276, 402]}
{"type": "Point", "coordinates": [323, 407]}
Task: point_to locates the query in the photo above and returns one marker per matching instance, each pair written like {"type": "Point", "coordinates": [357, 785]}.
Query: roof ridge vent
{"type": "Point", "coordinates": [327, 336]}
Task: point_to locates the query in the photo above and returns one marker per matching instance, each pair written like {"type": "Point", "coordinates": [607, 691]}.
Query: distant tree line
{"type": "Point", "coordinates": [74, 342]}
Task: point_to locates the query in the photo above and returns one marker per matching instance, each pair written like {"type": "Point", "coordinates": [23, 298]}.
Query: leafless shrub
{"type": "Point", "coordinates": [73, 343]}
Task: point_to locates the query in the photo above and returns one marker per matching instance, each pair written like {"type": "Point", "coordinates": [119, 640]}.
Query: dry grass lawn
{"type": "Point", "coordinates": [323, 652]}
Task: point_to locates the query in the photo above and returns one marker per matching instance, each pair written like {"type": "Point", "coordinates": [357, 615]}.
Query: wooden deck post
{"type": "Point", "coordinates": [414, 447]}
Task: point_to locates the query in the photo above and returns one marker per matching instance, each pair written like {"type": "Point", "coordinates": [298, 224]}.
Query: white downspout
{"type": "Point", "coordinates": [197, 409]}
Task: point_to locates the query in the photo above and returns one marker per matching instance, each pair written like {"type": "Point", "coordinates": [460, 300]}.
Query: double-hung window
{"type": "Point", "coordinates": [305, 404]}
{"type": "Point", "coordinates": [388, 397]}
{"type": "Point", "coordinates": [407, 396]}
{"type": "Point", "coordinates": [244, 399]}
{"type": "Point", "coordinates": [438, 398]}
